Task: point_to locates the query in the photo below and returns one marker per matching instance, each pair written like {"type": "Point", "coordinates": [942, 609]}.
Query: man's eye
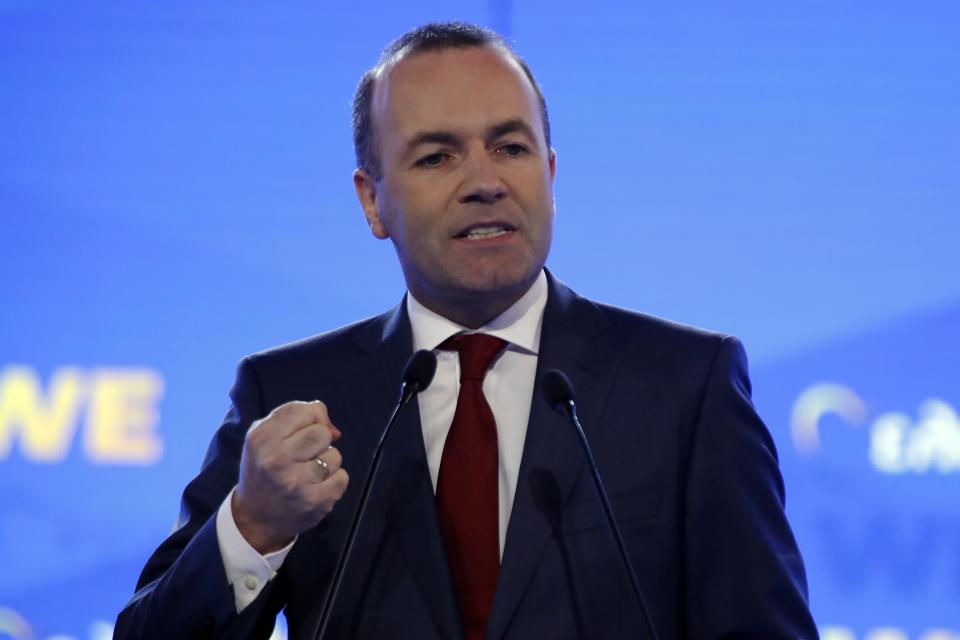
{"type": "Point", "coordinates": [432, 160]}
{"type": "Point", "coordinates": [512, 150]}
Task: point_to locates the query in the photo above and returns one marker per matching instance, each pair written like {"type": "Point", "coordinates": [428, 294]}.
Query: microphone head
{"type": "Point", "coordinates": [557, 390]}
{"type": "Point", "coordinates": [418, 374]}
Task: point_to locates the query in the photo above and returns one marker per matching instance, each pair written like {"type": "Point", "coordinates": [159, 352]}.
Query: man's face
{"type": "Point", "coordinates": [466, 177]}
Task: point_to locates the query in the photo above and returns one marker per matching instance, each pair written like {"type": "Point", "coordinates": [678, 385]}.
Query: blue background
{"type": "Point", "coordinates": [175, 193]}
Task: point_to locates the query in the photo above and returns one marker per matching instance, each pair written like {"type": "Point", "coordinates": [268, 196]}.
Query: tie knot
{"type": "Point", "coordinates": [477, 351]}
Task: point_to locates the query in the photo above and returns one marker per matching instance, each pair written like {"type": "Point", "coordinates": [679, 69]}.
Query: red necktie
{"type": "Point", "coordinates": [467, 491]}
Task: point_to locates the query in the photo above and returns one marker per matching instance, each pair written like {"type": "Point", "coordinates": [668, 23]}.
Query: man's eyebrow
{"type": "Point", "coordinates": [498, 130]}
{"type": "Point", "coordinates": [432, 137]}
{"type": "Point", "coordinates": [511, 126]}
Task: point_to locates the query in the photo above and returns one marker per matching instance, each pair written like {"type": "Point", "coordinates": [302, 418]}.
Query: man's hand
{"type": "Point", "coordinates": [282, 489]}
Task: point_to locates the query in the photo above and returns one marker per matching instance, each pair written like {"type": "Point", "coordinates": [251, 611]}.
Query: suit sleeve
{"type": "Point", "coordinates": [744, 574]}
{"type": "Point", "coordinates": [183, 590]}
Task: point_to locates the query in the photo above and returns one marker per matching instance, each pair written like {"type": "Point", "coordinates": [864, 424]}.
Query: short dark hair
{"type": "Point", "coordinates": [436, 36]}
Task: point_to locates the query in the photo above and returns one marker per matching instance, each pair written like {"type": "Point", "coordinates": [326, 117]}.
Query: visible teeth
{"type": "Point", "coordinates": [485, 232]}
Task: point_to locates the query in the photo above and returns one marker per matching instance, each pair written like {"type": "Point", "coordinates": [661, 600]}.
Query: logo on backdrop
{"type": "Point", "coordinates": [110, 414]}
{"type": "Point", "coordinates": [927, 443]}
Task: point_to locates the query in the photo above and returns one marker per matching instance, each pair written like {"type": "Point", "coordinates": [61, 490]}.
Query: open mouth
{"type": "Point", "coordinates": [484, 232]}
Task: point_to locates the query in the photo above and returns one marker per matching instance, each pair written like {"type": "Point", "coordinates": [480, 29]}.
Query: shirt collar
{"type": "Point", "coordinates": [519, 325]}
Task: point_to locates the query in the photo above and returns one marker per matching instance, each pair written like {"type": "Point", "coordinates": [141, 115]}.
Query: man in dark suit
{"type": "Point", "coordinates": [484, 521]}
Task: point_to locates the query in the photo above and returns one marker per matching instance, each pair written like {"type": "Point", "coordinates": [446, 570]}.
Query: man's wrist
{"type": "Point", "coordinates": [248, 571]}
{"type": "Point", "coordinates": [257, 536]}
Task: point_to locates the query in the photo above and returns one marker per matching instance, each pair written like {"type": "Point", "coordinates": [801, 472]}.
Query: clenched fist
{"type": "Point", "coordinates": [283, 490]}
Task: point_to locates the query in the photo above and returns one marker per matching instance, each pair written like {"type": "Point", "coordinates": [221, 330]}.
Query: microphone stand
{"type": "Point", "coordinates": [559, 393]}
{"type": "Point", "coordinates": [417, 377]}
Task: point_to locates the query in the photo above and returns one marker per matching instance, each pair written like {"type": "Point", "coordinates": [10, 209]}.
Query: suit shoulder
{"type": "Point", "coordinates": [673, 355]}
{"type": "Point", "coordinates": [643, 337]}
{"type": "Point", "coordinates": [671, 334]}
{"type": "Point", "coordinates": [329, 346]}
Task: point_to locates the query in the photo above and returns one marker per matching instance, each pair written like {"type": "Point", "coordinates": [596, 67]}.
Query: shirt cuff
{"type": "Point", "coordinates": [247, 571]}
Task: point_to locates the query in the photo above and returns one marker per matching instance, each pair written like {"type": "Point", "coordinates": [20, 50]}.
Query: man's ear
{"type": "Point", "coordinates": [366, 188]}
{"type": "Point", "coordinates": [553, 175]}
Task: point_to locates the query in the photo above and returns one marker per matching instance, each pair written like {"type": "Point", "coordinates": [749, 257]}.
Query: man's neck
{"type": "Point", "coordinates": [519, 324]}
{"type": "Point", "coordinates": [472, 315]}
{"type": "Point", "coordinates": [473, 311]}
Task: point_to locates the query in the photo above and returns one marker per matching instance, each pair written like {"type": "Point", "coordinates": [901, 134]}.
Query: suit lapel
{"type": "Point", "coordinates": [403, 485]}
{"type": "Point", "coordinates": [575, 339]}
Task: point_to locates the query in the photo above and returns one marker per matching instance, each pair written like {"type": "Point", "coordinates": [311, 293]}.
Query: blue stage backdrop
{"type": "Point", "coordinates": [175, 193]}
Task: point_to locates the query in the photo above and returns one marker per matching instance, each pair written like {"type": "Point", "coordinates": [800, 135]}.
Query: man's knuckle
{"type": "Point", "coordinates": [254, 433]}
{"type": "Point", "coordinates": [271, 461]}
{"type": "Point", "coordinates": [290, 486]}
{"type": "Point", "coordinates": [293, 409]}
{"type": "Point", "coordinates": [335, 457]}
{"type": "Point", "coordinates": [309, 438]}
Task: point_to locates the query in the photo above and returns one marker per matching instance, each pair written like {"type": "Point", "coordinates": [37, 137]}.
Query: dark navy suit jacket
{"type": "Point", "coordinates": [690, 469]}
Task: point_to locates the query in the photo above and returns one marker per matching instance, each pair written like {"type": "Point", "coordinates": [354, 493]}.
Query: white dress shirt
{"type": "Point", "coordinates": [508, 387]}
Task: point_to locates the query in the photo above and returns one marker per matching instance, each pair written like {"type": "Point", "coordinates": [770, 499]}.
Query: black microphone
{"type": "Point", "coordinates": [558, 392]}
{"type": "Point", "coordinates": [417, 376]}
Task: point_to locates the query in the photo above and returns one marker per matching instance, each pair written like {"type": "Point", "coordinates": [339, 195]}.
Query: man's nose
{"type": "Point", "coordinates": [483, 182]}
